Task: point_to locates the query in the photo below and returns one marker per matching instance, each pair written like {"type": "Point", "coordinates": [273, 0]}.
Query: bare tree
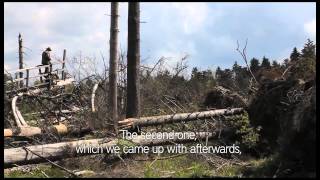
{"type": "Point", "coordinates": [133, 58]}
{"type": "Point", "coordinates": [244, 56]}
{"type": "Point", "coordinates": [113, 63]}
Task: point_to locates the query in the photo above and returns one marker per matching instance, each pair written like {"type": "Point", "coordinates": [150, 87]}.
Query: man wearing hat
{"type": "Point", "coordinates": [46, 59]}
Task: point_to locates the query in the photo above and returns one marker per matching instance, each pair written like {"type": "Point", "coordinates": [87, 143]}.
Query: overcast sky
{"type": "Point", "coordinates": [207, 32]}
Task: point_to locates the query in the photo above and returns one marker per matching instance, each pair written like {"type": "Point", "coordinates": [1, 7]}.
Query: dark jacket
{"type": "Point", "coordinates": [46, 58]}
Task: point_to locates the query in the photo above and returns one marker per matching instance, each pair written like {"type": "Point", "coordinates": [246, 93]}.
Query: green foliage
{"type": "Point", "coordinates": [39, 172]}
{"type": "Point", "coordinates": [199, 170]}
{"type": "Point", "coordinates": [149, 173]}
{"type": "Point", "coordinates": [285, 64]}
{"type": "Point", "coordinates": [265, 63]}
{"type": "Point", "coordinates": [305, 68]}
{"type": "Point", "coordinates": [304, 64]}
{"type": "Point", "coordinates": [229, 171]}
{"type": "Point", "coordinates": [275, 64]}
{"type": "Point", "coordinates": [295, 55]}
{"type": "Point", "coordinates": [123, 142]}
{"type": "Point", "coordinates": [225, 78]}
{"type": "Point", "coordinates": [309, 50]}
{"type": "Point", "coordinates": [8, 86]}
{"type": "Point", "coordinates": [246, 135]}
{"type": "Point", "coordinates": [265, 167]}
{"type": "Point", "coordinates": [165, 85]}
{"type": "Point", "coordinates": [177, 167]}
{"type": "Point", "coordinates": [241, 79]}
{"type": "Point", "coordinates": [254, 168]}
{"type": "Point", "coordinates": [254, 65]}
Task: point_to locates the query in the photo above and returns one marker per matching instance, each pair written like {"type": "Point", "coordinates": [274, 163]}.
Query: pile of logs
{"type": "Point", "coordinates": [42, 153]}
{"type": "Point", "coordinates": [62, 129]}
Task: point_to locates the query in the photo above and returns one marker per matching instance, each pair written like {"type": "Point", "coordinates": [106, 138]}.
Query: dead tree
{"type": "Point", "coordinates": [63, 64]}
{"type": "Point", "coordinates": [133, 58]}
{"type": "Point", "coordinates": [177, 118]}
{"type": "Point", "coordinates": [244, 56]}
{"type": "Point", "coordinates": [122, 82]}
{"type": "Point", "coordinates": [63, 150]}
{"type": "Point", "coordinates": [113, 63]}
{"type": "Point", "coordinates": [20, 59]}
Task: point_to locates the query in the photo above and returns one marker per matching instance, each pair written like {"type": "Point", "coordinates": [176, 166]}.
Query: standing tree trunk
{"type": "Point", "coordinates": [20, 59]}
{"type": "Point", "coordinates": [133, 57]}
{"type": "Point", "coordinates": [113, 63]}
{"type": "Point", "coordinates": [63, 64]}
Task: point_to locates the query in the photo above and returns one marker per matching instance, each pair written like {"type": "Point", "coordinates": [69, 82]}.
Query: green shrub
{"type": "Point", "coordinates": [245, 135]}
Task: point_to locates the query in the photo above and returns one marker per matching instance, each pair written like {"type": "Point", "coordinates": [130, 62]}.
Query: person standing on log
{"type": "Point", "coordinates": [46, 59]}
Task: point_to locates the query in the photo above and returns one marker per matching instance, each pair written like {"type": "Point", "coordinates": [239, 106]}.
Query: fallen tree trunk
{"type": "Point", "coordinates": [31, 131]}
{"type": "Point", "coordinates": [175, 118]}
{"type": "Point", "coordinates": [50, 151]}
{"type": "Point", "coordinates": [59, 129]}
{"type": "Point", "coordinates": [62, 150]}
{"type": "Point", "coordinates": [128, 123]}
{"type": "Point", "coordinates": [22, 131]}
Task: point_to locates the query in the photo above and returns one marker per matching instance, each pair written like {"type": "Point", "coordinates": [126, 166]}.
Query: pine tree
{"type": "Point", "coordinates": [295, 55]}
{"type": "Point", "coordinates": [275, 64]}
{"type": "Point", "coordinates": [254, 65]}
{"type": "Point", "coordinates": [285, 63]}
{"type": "Point", "coordinates": [265, 63]}
{"type": "Point", "coordinates": [236, 67]}
{"type": "Point", "coordinates": [309, 50]}
{"type": "Point", "coordinates": [226, 78]}
{"type": "Point", "coordinates": [305, 68]}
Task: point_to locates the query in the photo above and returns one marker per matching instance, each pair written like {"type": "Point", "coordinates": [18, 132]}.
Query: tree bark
{"type": "Point", "coordinates": [133, 58]}
{"type": "Point", "coordinates": [20, 60]}
{"type": "Point", "coordinates": [68, 149]}
{"type": "Point", "coordinates": [60, 129]}
{"type": "Point", "coordinates": [175, 118]}
{"type": "Point", "coordinates": [113, 63]}
{"type": "Point", "coordinates": [93, 94]}
{"type": "Point", "coordinates": [63, 64]}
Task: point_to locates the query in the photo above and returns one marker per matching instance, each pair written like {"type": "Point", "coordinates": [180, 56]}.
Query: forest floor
{"type": "Point", "coordinates": [166, 165]}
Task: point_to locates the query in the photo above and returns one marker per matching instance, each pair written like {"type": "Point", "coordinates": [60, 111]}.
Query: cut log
{"type": "Point", "coordinates": [28, 131]}
{"type": "Point", "coordinates": [7, 132]}
{"type": "Point", "coordinates": [59, 129]}
{"type": "Point", "coordinates": [22, 131]}
{"type": "Point", "coordinates": [50, 151]}
{"type": "Point", "coordinates": [64, 82]}
{"type": "Point", "coordinates": [62, 150]}
{"type": "Point", "coordinates": [175, 118]}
